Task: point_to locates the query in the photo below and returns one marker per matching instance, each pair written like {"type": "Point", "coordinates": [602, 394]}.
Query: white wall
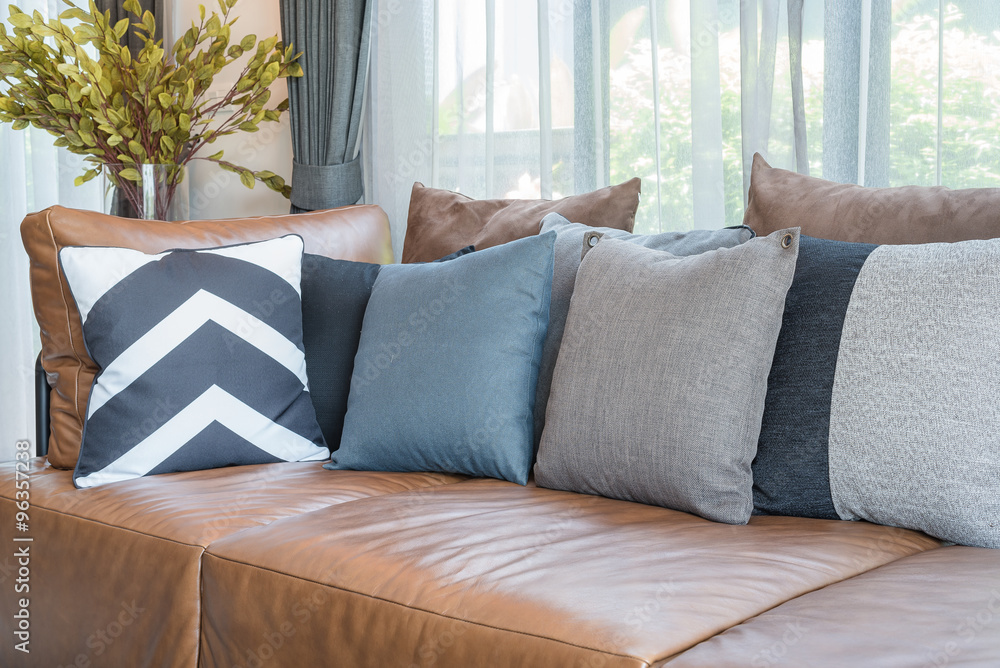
{"type": "Point", "coordinates": [214, 192]}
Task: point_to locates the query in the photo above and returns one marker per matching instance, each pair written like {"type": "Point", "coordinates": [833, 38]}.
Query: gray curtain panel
{"type": "Point", "coordinates": [334, 38]}
{"type": "Point", "coordinates": [117, 14]}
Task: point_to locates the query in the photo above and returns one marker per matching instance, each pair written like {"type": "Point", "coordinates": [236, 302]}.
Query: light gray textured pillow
{"type": "Point", "coordinates": [915, 409]}
{"type": "Point", "coordinates": [660, 383]}
{"type": "Point", "coordinates": [570, 243]}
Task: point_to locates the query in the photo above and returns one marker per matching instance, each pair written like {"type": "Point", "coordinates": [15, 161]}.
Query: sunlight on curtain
{"type": "Point", "coordinates": [35, 175]}
{"type": "Point", "coordinates": [548, 98]}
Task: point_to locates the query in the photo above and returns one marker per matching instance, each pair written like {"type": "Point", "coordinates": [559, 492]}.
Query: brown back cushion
{"type": "Point", "coordinates": [352, 233]}
{"type": "Point", "coordinates": [844, 212]}
{"type": "Point", "coordinates": [441, 221]}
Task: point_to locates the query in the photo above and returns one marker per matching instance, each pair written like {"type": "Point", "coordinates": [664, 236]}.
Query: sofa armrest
{"type": "Point", "coordinates": [42, 390]}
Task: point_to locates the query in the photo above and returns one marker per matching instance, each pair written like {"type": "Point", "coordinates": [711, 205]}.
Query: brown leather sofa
{"type": "Point", "coordinates": [294, 565]}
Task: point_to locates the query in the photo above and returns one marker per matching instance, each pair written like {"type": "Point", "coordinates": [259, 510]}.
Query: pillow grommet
{"type": "Point", "coordinates": [786, 241]}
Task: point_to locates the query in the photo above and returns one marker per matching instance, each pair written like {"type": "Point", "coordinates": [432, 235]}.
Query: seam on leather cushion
{"type": "Point", "coordinates": [69, 327]}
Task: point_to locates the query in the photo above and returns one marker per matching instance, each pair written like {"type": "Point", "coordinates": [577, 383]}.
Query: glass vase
{"type": "Point", "coordinates": [148, 191]}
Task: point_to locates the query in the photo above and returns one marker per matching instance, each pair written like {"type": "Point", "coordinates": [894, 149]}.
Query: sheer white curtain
{"type": "Point", "coordinates": [34, 175]}
{"type": "Point", "coordinates": [529, 98]}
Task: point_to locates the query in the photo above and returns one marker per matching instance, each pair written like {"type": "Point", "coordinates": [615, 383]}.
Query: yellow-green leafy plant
{"type": "Point", "coordinates": [72, 77]}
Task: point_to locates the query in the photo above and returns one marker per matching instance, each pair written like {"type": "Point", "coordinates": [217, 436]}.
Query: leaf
{"type": "Point", "coordinates": [132, 6]}
{"type": "Point", "coordinates": [43, 30]}
{"type": "Point", "coordinates": [114, 140]}
{"type": "Point", "coordinates": [267, 45]}
{"type": "Point", "coordinates": [215, 156]}
{"type": "Point", "coordinates": [184, 122]}
{"type": "Point", "coordinates": [247, 126]}
{"type": "Point", "coordinates": [74, 13]}
{"type": "Point", "coordinates": [247, 42]}
{"type": "Point", "coordinates": [246, 177]}
{"type": "Point", "coordinates": [294, 70]}
{"type": "Point", "coordinates": [85, 33]}
{"type": "Point", "coordinates": [21, 20]}
{"type": "Point", "coordinates": [67, 69]}
{"type": "Point", "coordinates": [155, 120]}
{"type": "Point", "coordinates": [167, 144]}
{"type": "Point", "coordinates": [213, 25]}
{"type": "Point", "coordinates": [165, 99]}
{"type": "Point", "coordinates": [131, 174]}
{"type": "Point", "coordinates": [20, 124]}
{"type": "Point", "coordinates": [121, 28]}
{"type": "Point", "coordinates": [271, 73]}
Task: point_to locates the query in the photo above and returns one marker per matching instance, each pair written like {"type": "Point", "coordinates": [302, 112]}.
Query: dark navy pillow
{"type": "Point", "coordinates": [791, 471]}
{"type": "Point", "coordinates": [201, 357]}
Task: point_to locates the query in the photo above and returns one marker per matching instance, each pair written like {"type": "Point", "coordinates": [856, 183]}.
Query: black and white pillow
{"type": "Point", "coordinates": [201, 356]}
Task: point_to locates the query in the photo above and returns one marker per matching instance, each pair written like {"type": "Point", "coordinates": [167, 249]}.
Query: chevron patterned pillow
{"type": "Point", "coordinates": [201, 356]}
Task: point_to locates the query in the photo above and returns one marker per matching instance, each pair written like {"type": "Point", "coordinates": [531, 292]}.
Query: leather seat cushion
{"type": "Point", "coordinates": [115, 571]}
{"type": "Point", "coordinates": [490, 573]}
{"type": "Point", "coordinates": [937, 608]}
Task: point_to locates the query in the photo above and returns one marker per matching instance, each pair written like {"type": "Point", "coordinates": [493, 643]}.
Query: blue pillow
{"type": "Point", "coordinates": [334, 298]}
{"type": "Point", "coordinates": [445, 375]}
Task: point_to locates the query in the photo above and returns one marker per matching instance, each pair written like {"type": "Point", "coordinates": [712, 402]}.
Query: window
{"type": "Point", "coordinates": [529, 98]}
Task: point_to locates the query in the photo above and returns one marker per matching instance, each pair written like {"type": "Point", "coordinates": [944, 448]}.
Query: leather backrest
{"type": "Point", "coordinates": [358, 233]}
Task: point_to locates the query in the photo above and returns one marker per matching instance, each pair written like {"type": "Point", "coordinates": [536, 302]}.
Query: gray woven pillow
{"type": "Point", "coordinates": [569, 243]}
{"type": "Point", "coordinates": [659, 387]}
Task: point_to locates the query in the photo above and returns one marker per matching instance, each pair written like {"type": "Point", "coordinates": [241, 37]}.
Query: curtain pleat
{"type": "Point", "coordinates": [800, 145]}
{"type": "Point", "coordinates": [748, 87]}
{"type": "Point", "coordinates": [326, 103]}
{"type": "Point", "coordinates": [706, 126]}
{"type": "Point", "coordinates": [117, 14]}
